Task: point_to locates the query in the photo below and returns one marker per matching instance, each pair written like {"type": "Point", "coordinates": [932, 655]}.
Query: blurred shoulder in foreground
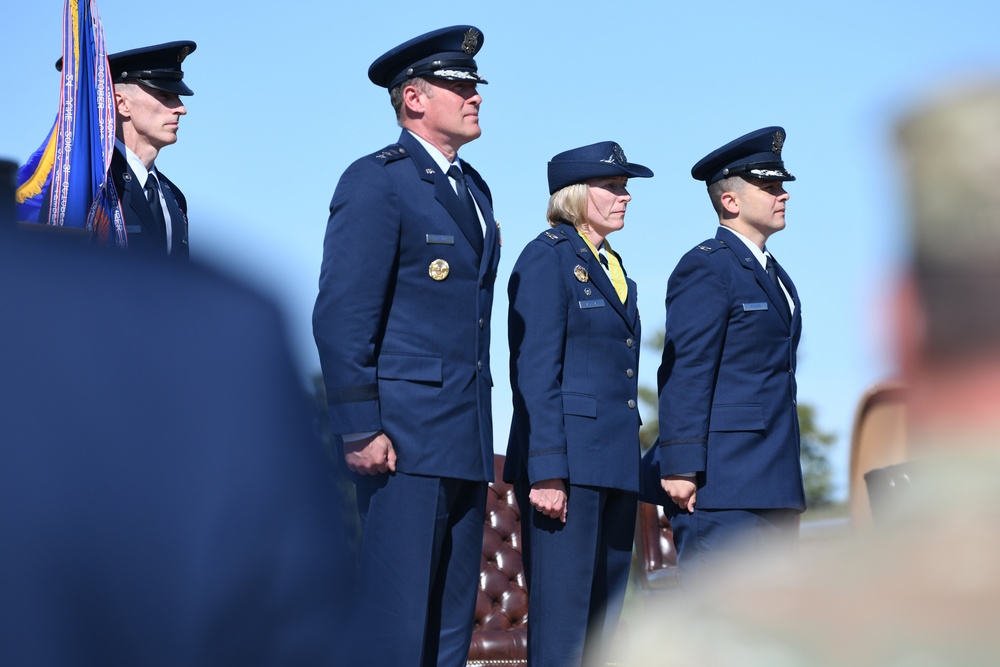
{"type": "Point", "coordinates": [164, 499]}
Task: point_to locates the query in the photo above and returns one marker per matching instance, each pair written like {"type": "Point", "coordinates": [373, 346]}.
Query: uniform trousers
{"type": "Point", "coordinates": [420, 562]}
{"type": "Point", "coordinates": [703, 538]}
{"type": "Point", "coordinates": [576, 573]}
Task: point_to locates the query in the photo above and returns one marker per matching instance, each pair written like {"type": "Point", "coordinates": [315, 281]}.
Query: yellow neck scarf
{"type": "Point", "coordinates": [614, 267]}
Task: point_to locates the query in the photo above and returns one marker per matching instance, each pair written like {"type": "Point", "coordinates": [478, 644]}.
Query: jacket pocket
{"type": "Point", "coordinates": [581, 405]}
{"type": "Point", "coordinates": [742, 417]}
{"type": "Point", "coordinates": [409, 367]}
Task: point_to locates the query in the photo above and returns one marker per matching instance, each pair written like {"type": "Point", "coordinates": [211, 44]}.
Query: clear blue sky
{"type": "Point", "coordinates": [282, 105]}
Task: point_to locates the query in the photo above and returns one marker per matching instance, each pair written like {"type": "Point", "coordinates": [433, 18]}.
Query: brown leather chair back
{"type": "Point", "coordinates": [500, 635]}
{"type": "Point", "coordinates": [654, 541]}
{"type": "Point", "coordinates": [878, 440]}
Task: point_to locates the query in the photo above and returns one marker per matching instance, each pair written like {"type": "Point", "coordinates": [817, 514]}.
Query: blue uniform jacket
{"type": "Point", "coordinates": [402, 352]}
{"type": "Point", "coordinates": [574, 361]}
{"type": "Point", "coordinates": [143, 234]}
{"type": "Point", "coordinates": [727, 380]}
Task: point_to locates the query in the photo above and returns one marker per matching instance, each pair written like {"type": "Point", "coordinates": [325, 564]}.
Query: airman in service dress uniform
{"type": "Point", "coordinates": [728, 450]}
{"type": "Point", "coordinates": [573, 453]}
{"type": "Point", "coordinates": [402, 323]}
{"type": "Point", "coordinates": [148, 85]}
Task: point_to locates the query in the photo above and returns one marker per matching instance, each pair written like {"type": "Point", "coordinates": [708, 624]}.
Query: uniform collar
{"type": "Point", "coordinates": [439, 159]}
{"type": "Point", "coordinates": [757, 252]}
{"type": "Point", "coordinates": [134, 163]}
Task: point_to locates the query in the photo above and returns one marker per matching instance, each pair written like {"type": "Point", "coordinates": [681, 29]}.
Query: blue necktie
{"type": "Point", "coordinates": [470, 216]}
{"type": "Point", "coordinates": [772, 273]}
{"type": "Point", "coordinates": [152, 190]}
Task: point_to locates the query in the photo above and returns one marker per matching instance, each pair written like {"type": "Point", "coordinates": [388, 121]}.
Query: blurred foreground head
{"type": "Point", "coordinates": [951, 152]}
{"type": "Point", "coordinates": [948, 316]}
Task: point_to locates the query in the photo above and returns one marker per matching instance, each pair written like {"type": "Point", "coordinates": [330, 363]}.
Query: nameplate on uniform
{"type": "Point", "coordinates": [593, 303]}
{"type": "Point", "coordinates": [441, 238]}
{"type": "Point", "coordinates": [755, 306]}
{"type": "Point", "coordinates": [133, 229]}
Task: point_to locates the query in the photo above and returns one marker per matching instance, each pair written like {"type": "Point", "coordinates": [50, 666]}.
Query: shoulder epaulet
{"type": "Point", "coordinates": [390, 154]}
{"type": "Point", "coordinates": [553, 236]}
{"type": "Point", "coordinates": [709, 246]}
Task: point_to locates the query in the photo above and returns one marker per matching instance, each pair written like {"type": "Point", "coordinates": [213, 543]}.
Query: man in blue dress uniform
{"type": "Point", "coordinates": [728, 451]}
{"type": "Point", "coordinates": [148, 87]}
{"type": "Point", "coordinates": [402, 323]}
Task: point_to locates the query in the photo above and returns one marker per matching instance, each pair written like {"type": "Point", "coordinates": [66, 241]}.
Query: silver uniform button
{"type": "Point", "coordinates": [631, 404]}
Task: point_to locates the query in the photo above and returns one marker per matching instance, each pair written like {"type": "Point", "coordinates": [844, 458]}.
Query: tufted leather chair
{"type": "Point", "coordinates": [654, 541]}
{"type": "Point", "coordinates": [500, 635]}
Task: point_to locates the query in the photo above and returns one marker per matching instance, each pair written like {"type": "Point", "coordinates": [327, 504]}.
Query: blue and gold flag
{"type": "Point", "coordinates": [63, 183]}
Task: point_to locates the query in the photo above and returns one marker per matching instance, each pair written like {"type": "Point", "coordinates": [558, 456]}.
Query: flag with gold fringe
{"type": "Point", "coordinates": [63, 182]}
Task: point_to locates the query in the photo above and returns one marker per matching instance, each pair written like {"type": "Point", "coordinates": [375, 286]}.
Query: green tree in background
{"type": "Point", "coordinates": [817, 473]}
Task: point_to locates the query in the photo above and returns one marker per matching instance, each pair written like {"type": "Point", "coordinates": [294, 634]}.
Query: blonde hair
{"type": "Point", "coordinates": [568, 204]}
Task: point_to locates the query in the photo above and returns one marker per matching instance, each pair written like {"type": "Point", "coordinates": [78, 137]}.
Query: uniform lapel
{"type": "Point", "coordinates": [178, 222]}
{"type": "Point", "coordinates": [747, 260]}
{"type": "Point", "coordinates": [600, 279]}
{"type": "Point", "coordinates": [133, 200]}
{"type": "Point", "coordinates": [429, 171]}
{"type": "Point", "coordinates": [786, 280]}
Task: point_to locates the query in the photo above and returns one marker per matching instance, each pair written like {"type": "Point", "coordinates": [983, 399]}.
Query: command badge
{"type": "Point", "coordinates": [438, 269]}
{"type": "Point", "coordinates": [581, 274]}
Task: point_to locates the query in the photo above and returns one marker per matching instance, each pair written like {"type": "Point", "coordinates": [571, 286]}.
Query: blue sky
{"type": "Point", "coordinates": [282, 105]}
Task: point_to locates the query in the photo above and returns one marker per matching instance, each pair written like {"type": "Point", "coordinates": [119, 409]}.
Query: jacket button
{"type": "Point", "coordinates": [629, 372]}
{"type": "Point", "coordinates": [481, 323]}
{"type": "Point", "coordinates": [631, 404]}
{"type": "Point", "coordinates": [479, 365]}
{"type": "Point", "coordinates": [629, 342]}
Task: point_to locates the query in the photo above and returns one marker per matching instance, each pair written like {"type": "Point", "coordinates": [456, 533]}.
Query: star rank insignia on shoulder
{"type": "Point", "coordinates": [390, 153]}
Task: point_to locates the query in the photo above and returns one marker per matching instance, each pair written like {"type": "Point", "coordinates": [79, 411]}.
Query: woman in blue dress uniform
{"type": "Point", "coordinates": [573, 453]}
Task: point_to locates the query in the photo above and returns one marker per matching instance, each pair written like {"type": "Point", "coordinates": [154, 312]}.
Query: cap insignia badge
{"type": "Point", "coordinates": [581, 274]}
{"type": "Point", "coordinates": [777, 142]}
{"type": "Point", "coordinates": [471, 42]}
{"type": "Point", "coordinates": [617, 156]}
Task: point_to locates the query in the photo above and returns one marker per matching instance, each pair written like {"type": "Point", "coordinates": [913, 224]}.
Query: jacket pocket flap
{"type": "Point", "coordinates": [746, 417]}
{"type": "Point", "coordinates": [583, 405]}
{"type": "Point", "coordinates": [409, 367]}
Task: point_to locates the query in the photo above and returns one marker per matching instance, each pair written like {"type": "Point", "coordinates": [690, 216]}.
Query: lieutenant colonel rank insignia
{"type": "Point", "coordinates": [581, 274]}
